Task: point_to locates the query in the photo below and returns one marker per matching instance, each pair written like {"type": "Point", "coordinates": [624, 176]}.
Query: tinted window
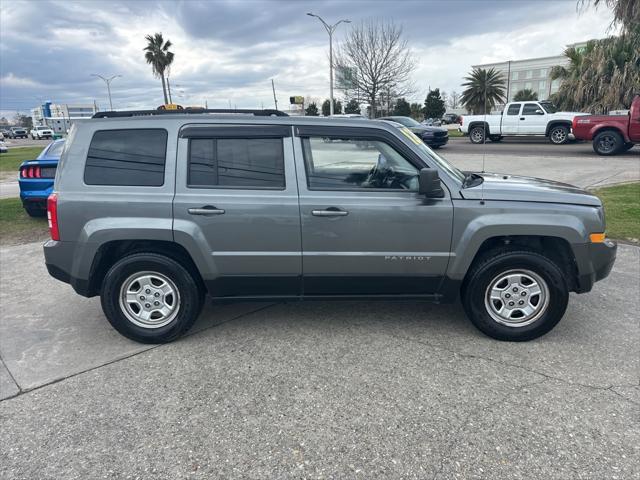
{"type": "Point", "coordinates": [127, 157]}
{"type": "Point", "coordinates": [236, 162]}
{"type": "Point", "coordinates": [356, 164]}
{"type": "Point", "coordinates": [530, 109]}
{"type": "Point", "coordinates": [513, 109]}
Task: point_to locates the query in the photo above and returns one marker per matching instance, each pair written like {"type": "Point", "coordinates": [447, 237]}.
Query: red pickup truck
{"type": "Point", "coordinates": [611, 134]}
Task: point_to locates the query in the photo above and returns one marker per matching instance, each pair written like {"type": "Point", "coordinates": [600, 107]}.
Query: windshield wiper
{"type": "Point", "coordinates": [471, 180]}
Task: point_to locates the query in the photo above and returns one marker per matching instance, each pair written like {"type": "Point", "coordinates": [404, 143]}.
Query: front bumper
{"type": "Point", "coordinates": [436, 141]}
{"type": "Point", "coordinates": [595, 261]}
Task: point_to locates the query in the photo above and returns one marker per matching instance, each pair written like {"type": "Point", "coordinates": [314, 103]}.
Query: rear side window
{"type": "Point", "coordinates": [513, 109]}
{"type": "Point", "coordinates": [133, 157]}
{"type": "Point", "coordinates": [236, 163]}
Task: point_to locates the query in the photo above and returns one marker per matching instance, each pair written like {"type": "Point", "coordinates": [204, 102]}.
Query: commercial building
{"type": "Point", "coordinates": [532, 73]}
{"type": "Point", "coordinates": [60, 117]}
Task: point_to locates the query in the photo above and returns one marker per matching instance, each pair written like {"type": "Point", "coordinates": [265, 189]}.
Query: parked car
{"type": "Point", "coordinates": [432, 122]}
{"type": "Point", "coordinates": [5, 132]}
{"type": "Point", "coordinates": [17, 132]}
{"type": "Point", "coordinates": [41, 132]}
{"type": "Point", "coordinates": [3, 147]}
{"type": "Point", "coordinates": [435, 137]}
{"type": "Point", "coordinates": [611, 134]}
{"type": "Point", "coordinates": [153, 211]}
{"type": "Point", "coordinates": [449, 118]}
{"type": "Point", "coordinates": [36, 179]}
{"type": "Point", "coordinates": [521, 119]}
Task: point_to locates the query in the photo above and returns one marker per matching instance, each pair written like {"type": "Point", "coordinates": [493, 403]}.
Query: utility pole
{"type": "Point", "coordinates": [273, 87]}
{"type": "Point", "coordinates": [108, 82]}
{"type": "Point", "coordinates": [330, 29]}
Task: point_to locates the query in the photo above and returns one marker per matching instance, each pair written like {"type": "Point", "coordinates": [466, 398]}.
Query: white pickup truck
{"type": "Point", "coordinates": [520, 118]}
{"type": "Point", "coordinates": [39, 132]}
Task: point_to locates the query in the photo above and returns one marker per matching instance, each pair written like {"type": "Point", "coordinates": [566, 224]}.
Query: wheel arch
{"type": "Point", "coordinates": [555, 123]}
{"type": "Point", "coordinates": [477, 123]}
{"type": "Point", "coordinates": [610, 128]}
{"type": "Point", "coordinates": [110, 252]}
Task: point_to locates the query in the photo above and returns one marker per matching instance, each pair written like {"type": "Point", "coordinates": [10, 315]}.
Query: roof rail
{"type": "Point", "coordinates": [188, 111]}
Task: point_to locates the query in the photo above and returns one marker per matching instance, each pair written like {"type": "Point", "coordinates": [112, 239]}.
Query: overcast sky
{"type": "Point", "coordinates": [227, 51]}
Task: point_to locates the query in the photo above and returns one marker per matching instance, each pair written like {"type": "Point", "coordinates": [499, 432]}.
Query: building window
{"type": "Point", "coordinates": [542, 85]}
{"type": "Point", "coordinates": [514, 75]}
{"type": "Point", "coordinates": [529, 74]}
{"type": "Point", "coordinates": [527, 85]}
{"type": "Point", "coordinates": [543, 72]}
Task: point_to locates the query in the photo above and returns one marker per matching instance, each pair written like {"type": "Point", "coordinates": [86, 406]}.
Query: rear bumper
{"type": "Point", "coordinates": [35, 189]}
{"type": "Point", "coordinates": [58, 257]}
{"type": "Point", "coordinates": [595, 261]}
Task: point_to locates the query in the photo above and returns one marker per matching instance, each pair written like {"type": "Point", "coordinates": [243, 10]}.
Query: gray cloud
{"type": "Point", "coordinates": [230, 49]}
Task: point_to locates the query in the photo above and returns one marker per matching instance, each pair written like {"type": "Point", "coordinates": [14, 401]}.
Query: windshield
{"type": "Point", "coordinates": [549, 107]}
{"type": "Point", "coordinates": [442, 163]}
{"type": "Point", "coordinates": [406, 121]}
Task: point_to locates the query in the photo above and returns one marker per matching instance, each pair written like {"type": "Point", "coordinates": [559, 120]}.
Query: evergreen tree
{"type": "Point", "coordinates": [402, 108]}
{"type": "Point", "coordinates": [434, 104]}
{"type": "Point", "coordinates": [352, 106]}
{"type": "Point", "coordinates": [311, 110]}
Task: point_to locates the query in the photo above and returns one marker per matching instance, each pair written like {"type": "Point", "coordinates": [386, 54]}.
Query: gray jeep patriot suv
{"type": "Point", "coordinates": [153, 210]}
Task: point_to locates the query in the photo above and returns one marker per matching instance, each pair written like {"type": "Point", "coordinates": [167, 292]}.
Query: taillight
{"type": "Point", "coordinates": [52, 216]}
{"type": "Point", "coordinates": [31, 172]}
{"type": "Point", "coordinates": [460, 121]}
{"type": "Point", "coordinates": [573, 124]}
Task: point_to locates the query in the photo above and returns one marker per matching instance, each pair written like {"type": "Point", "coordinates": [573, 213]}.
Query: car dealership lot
{"type": "Point", "coordinates": [316, 390]}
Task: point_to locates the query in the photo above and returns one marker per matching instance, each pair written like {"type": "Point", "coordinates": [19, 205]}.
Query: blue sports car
{"type": "Point", "coordinates": [36, 179]}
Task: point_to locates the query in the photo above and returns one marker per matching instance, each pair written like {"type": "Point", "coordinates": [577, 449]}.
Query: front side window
{"type": "Point", "coordinates": [134, 157]}
{"type": "Point", "coordinates": [353, 164]}
{"type": "Point", "coordinates": [514, 109]}
{"type": "Point", "coordinates": [531, 109]}
{"type": "Point", "coordinates": [236, 163]}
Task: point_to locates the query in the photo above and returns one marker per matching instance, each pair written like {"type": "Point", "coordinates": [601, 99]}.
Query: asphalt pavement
{"type": "Point", "coordinates": [316, 390]}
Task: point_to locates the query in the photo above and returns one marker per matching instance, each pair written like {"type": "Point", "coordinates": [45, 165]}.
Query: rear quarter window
{"type": "Point", "coordinates": [132, 157]}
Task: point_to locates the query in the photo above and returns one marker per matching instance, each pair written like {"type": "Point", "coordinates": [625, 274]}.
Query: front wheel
{"type": "Point", "coordinates": [150, 298]}
{"type": "Point", "coordinates": [559, 135]}
{"type": "Point", "coordinates": [608, 142]}
{"type": "Point", "coordinates": [515, 295]}
{"type": "Point", "coordinates": [476, 135]}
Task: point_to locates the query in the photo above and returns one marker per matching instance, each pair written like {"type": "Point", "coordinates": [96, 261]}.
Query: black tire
{"type": "Point", "coordinates": [476, 135]}
{"type": "Point", "coordinates": [608, 143]}
{"type": "Point", "coordinates": [190, 297]}
{"type": "Point", "coordinates": [559, 134]}
{"type": "Point", "coordinates": [494, 264]}
{"type": "Point", "coordinates": [496, 138]}
{"type": "Point", "coordinates": [34, 210]}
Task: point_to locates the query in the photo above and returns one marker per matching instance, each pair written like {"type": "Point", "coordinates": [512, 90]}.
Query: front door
{"type": "Point", "coordinates": [365, 228]}
{"type": "Point", "coordinates": [237, 202]}
{"type": "Point", "coordinates": [533, 120]}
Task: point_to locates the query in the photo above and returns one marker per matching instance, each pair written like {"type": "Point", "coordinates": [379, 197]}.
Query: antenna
{"type": "Point", "coordinates": [484, 140]}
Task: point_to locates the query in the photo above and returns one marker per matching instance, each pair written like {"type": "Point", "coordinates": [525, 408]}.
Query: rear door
{"type": "Point", "coordinates": [237, 199]}
{"type": "Point", "coordinates": [511, 120]}
{"type": "Point", "coordinates": [365, 228]}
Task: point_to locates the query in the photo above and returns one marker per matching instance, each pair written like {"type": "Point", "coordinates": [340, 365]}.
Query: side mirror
{"type": "Point", "coordinates": [429, 183]}
{"type": "Point", "coordinates": [539, 112]}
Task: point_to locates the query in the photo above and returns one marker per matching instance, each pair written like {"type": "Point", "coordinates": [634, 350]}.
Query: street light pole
{"type": "Point", "coordinates": [108, 82]}
{"type": "Point", "coordinates": [330, 29]}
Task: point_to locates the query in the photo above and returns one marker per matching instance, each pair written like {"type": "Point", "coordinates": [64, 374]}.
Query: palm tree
{"type": "Point", "coordinates": [484, 89]}
{"type": "Point", "coordinates": [159, 57]}
{"type": "Point", "coordinates": [524, 95]}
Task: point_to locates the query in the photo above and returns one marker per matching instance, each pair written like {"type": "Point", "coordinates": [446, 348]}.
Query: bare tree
{"type": "Point", "coordinates": [380, 59]}
{"type": "Point", "coordinates": [454, 99]}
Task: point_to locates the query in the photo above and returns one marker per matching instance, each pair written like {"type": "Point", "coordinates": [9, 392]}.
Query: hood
{"type": "Point", "coordinates": [426, 128]}
{"type": "Point", "coordinates": [528, 189]}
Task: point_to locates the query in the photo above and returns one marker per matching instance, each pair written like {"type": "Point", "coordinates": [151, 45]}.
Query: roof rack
{"type": "Point", "coordinates": [189, 111]}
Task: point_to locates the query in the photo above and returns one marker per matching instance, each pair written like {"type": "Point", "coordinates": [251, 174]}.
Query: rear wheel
{"type": "Point", "coordinates": [150, 298]}
{"type": "Point", "coordinates": [476, 135]}
{"type": "Point", "coordinates": [608, 142]}
{"type": "Point", "coordinates": [515, 295]}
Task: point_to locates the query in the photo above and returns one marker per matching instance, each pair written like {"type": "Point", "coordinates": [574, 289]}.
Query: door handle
{"type": "Point", "coordinates": [329, 212]}
{"type": "Point", "coordinates": [206, 210]}
{"type": "Point", "coordinates": [521, 118]}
